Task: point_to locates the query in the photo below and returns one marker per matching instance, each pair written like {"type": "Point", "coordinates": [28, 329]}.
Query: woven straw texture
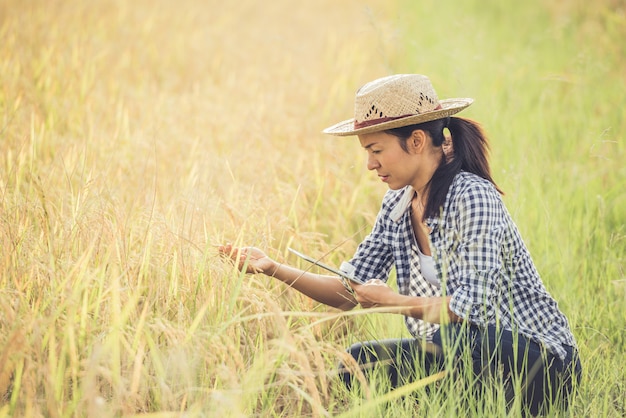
{"type": "Point", "coordinates": [395, 101]}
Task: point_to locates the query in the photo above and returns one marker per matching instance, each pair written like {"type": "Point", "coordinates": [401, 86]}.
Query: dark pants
{"type": "Point", "coordinates": [517, 361]}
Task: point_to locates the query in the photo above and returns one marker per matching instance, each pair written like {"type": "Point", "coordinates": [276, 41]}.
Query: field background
{"type": "Point", "coordinates": [137, 135]}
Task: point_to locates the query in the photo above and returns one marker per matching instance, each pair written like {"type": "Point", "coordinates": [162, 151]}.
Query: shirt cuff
{"type": "Point", "coordinates": [348, 269]}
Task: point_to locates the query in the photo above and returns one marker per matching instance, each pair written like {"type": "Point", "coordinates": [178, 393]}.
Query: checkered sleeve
{"type": "Point", "coordinates": [480, 226]}
{"type": "Point", "coordinates": [374, 256]}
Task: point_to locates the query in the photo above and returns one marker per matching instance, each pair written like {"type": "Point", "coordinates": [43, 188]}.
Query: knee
{"type": "Point", "coordinates": [346, 367]}
{"type": "Point", "coordinates": [357, 352]}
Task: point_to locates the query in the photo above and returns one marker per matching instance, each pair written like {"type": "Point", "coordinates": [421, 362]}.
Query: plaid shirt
{"type": "Point", "coordinates": [479, 256]}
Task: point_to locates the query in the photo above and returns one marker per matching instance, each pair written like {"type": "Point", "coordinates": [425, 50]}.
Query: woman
{"type": "Point", "coordinates": [458, 257]}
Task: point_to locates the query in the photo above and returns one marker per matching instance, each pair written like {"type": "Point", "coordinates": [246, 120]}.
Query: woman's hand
{"type": "Point", "coordinates": [253, 259]}
{"type": "Point", "coordinates": [374, 293]}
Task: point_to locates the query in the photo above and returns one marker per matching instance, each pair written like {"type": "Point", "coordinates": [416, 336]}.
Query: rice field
{"type": "Point", "coordinates": [137, 136]}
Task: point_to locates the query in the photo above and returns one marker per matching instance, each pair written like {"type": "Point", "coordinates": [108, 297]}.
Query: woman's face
{"type": "Point", "coordinates": [394, 166]}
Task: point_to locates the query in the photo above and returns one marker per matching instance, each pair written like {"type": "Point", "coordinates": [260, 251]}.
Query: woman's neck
{"type": "Point", "coordinates": [420, 184]}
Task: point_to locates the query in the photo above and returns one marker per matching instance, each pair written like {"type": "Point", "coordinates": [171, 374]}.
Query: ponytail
{"type": "Point", "coordinates": [471, 151]}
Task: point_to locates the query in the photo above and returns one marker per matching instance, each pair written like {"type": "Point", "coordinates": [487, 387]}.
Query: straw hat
{"type": "Point", "coordinates": [395, 101]}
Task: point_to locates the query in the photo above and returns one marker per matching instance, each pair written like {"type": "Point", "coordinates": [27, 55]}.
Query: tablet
{"type": "Point", "coordinates": [325, 266]}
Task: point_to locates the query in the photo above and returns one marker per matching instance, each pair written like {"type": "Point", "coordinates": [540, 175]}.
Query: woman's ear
{"type": "Point", "coordinates": [417, 141]}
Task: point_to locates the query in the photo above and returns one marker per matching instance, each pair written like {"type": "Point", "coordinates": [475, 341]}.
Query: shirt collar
{"type": "Point", "coordinates": [403, 204]}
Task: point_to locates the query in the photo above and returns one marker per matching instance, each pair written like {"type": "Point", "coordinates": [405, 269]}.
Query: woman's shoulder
{"type": "Point", "coordinates": [466, 181]}
{"type": "Point", "coordinates": [468, 185]}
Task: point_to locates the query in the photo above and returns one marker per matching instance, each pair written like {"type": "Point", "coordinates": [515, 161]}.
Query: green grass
{"type": "Point", "coordinates": [549, 90]}
{"type": "Point", "coordinates": [135, 136]}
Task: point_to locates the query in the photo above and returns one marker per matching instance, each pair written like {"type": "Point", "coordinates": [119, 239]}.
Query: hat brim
{"type": "Point", "coordinates": [448, 108]}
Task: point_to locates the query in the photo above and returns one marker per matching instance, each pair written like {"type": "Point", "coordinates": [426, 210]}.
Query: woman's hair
{"type": "Point", "coordinates": [470, 154]}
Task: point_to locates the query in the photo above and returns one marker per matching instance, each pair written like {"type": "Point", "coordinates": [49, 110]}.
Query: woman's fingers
{"type": "Point", "coordinates": [369, 297]}
{"type": "Point", "coordinates": [374, 282]}
{"type": "Point", "coordinates": [232, 253]}
{"type": "Point", "coordinates": [225, 250]}
{"type": "Point", "coordinates": [244, 257]}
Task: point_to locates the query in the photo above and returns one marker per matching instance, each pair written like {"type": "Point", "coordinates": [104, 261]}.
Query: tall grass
{"type": "Point", "coordinates": [135, 136]}
{"type": "Point", "coordinates": [548, 79]}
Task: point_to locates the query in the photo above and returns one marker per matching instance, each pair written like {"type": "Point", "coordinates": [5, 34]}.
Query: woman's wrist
{"type": "Point", "coordinates": [425, 308]}
{"type": "Point", "coordinates": [272, 269]}
{"type": "Point", "coordinates": [394, 301]}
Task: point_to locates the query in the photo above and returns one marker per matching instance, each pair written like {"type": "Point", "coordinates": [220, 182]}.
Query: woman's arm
{"type": "Point", "coordinates": [476, 264]}
{"type": "Point", "coordinates": [328, 290]}
{"type": "Point", "coordinates": [376, 294]}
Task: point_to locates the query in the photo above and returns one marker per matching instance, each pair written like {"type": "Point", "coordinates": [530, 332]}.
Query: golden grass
{"type": "Point", "coordinates": [135, 136]}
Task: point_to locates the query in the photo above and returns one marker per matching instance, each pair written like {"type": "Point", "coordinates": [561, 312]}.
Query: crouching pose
{"type": "Point", "coordinates": [464, 274]}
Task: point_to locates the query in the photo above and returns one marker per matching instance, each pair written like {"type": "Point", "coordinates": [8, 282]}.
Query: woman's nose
{"type": "Point", "coordinates": [372, 163]}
